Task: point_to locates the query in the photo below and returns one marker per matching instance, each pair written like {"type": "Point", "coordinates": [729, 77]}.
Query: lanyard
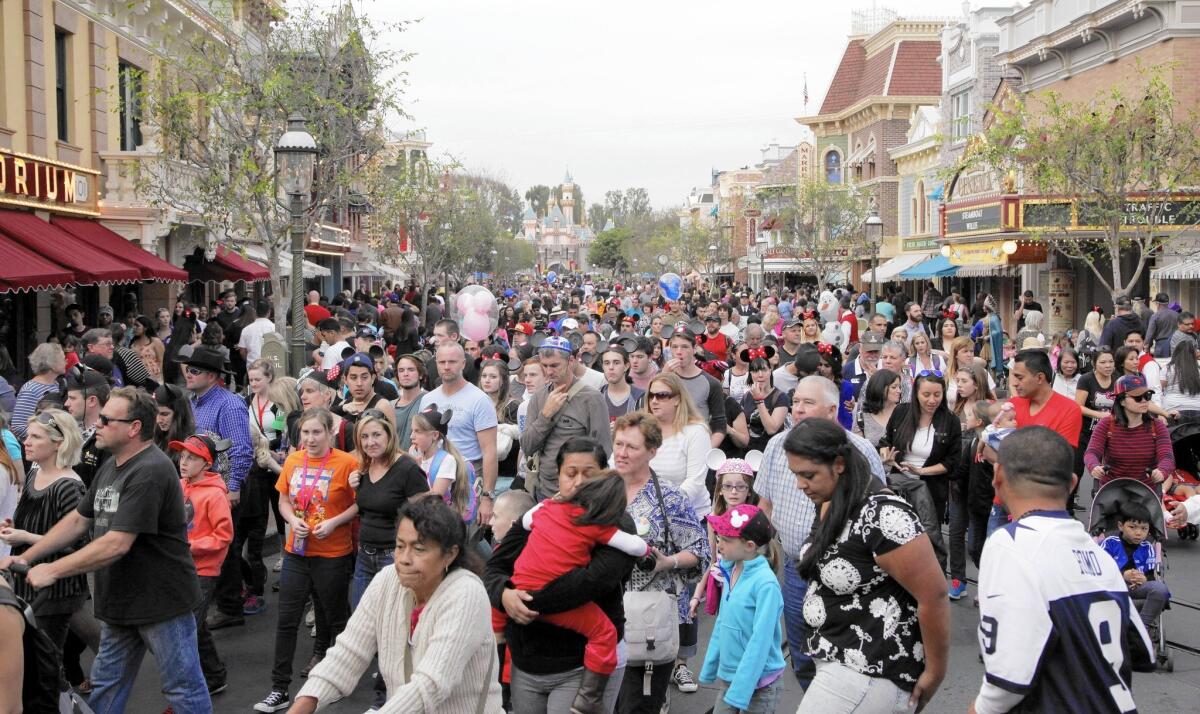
{"type": "Point", "coordinates": [304, 493]}
{"type": "Point", "coordinates": [261, 408]}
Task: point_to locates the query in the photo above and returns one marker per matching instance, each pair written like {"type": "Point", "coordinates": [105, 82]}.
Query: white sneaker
{"type": "Point", "coordinates": [683, 679]}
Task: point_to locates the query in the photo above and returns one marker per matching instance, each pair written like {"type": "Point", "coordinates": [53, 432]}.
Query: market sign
{"type": "Point", "coordinates": [986, 218]}
{"type": "Point", "coordinates": [915, 244]}
{"type": "Point", "coordinates": [1176, 212]}
{"type": "Point", "coordinates": [35, 182]}
{"type": "Point", "coordinates": [992, 253]}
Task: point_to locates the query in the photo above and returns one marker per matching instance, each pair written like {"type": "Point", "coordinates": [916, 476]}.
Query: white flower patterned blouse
{"type": "Point", "coordinates": [856, 613]}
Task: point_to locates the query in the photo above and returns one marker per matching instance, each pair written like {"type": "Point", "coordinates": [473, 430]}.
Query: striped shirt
{"type": "Point", "coordinates": [37, 512]}
{"type": "Point", "coordinates": [31, 393]}
{"type": "Point", "coordinates": [1130, 453]}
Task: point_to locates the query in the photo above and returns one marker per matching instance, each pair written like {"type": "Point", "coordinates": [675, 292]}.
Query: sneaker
{"type": "Point", "coordinates": [216, 687]}
{"type": "Point", "coordinates": [312, 662]}
{"type": "Point", "coordinates": [274, 702]}
{"type": "Point", "coordinates": [218, 620]}
{"type": "Point", "coordinates": [278, 565]}
{"type": "Point", "coordinates": [683, 679]}
{"type": "Point", "coordinates": [957, 589]}
{"type": "Point", "coordinates": [253, 605]}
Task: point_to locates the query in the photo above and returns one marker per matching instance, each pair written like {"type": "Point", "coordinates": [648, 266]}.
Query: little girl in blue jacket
{"type": "Point", "coordinates": [746, 649]}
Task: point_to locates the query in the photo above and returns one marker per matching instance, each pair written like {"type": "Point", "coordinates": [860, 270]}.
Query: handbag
{"type": "Point", "coordinates": [652, 618]}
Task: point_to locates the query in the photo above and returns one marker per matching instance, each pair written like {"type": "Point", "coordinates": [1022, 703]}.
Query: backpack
{"type": "Point", "coordinates": [44, 690]}
{"type": "Point", "coordinates": [448, 497]}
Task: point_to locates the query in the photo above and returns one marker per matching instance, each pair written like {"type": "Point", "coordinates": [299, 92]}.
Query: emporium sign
{"type": "Point", "coordinates": [1174, 212]}
{"type": "Point", "coordinates": [35, 182]}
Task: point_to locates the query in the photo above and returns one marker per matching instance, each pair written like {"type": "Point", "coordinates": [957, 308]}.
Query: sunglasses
{"type": "Point", "coordinates": [47, 420]}
{"type": "Point", "coordinates": [661, 396]}
{"type": "Point", "coordinates": [195, 371]}
{"type": "Point", "coordinates": [930, 373]}
{"type": "Point", "coordinates": [105, 420]}
{"type": "Point", "coordinates": [1144, 397]}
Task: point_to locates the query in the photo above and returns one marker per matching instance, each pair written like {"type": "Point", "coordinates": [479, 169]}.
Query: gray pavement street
{"type": "Point", "coordinates": [248, 654]}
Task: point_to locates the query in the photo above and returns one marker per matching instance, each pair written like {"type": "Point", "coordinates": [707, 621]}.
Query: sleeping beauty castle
{"type": "Point", "coordinates": [561, 244]}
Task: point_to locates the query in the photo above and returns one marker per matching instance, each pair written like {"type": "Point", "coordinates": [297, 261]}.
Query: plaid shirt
{"type": "Point", "coordinates": [792, 513]}
{"type": "Point", "coordinates": [222, 414]}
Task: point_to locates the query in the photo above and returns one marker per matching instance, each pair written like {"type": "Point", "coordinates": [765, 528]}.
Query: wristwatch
{"type": "Point", "coordinates": [489, 495]}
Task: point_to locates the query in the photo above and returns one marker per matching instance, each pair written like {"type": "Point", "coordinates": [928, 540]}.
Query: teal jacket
{"type": "Point", "coordinates": [747, 639]}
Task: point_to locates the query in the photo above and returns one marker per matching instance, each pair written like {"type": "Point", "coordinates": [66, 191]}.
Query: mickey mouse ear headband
{"type": "Point", "coordinates": [439, 420]}
{"type": "Point", "coordinates": [748, 466]}
{"type": "Point", "coordinates": [750, 354]}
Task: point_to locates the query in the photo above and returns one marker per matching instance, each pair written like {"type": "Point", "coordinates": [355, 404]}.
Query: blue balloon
{"type": "Point", "coordinates": [551, 277]}
{"type": "Point", "coordinates": [671, 286]}
{"type": "Point", "coordinates": [510, 293]}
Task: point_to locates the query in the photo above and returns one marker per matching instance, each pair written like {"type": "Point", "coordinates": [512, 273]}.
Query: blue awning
{"type": "Point", "coordinates": [938, 266]}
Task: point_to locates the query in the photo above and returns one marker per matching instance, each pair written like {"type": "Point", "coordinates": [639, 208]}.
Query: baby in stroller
{"type": "Point", "coordinates": [1138, 560]}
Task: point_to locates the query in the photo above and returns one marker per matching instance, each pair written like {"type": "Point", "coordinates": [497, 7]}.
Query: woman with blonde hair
{"type": "Point", "coordinates": [448, 474]}
{"type": "Point", "coordinates": [685, 440]}
{"type": "Point", "coordinates": [52, 442]}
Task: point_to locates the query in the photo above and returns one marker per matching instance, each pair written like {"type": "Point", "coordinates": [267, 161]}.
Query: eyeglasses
{"type": "Point", "coordinates": [930, 373]}
{"type": "Point", "coordinates": [735, 487]}
{"type": "Point", "coordinates": [194, 371]}
{"type": "Point", "coordinates": [661, 396]}
{"type": "Point", "coordinates": [1144, 397]}
{"type": "Point", "coordinates": [105, 420]}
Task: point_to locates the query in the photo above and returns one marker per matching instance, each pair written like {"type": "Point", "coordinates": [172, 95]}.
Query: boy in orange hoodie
{"type": "Point", "coordinates": [210, 531]}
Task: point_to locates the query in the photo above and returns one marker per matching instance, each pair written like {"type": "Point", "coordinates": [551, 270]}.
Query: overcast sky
{"type": "Point", "coordinates": [652, 93]}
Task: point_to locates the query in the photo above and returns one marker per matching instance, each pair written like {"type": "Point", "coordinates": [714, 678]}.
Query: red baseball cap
{"type": "Point", "coordinates": [197, 444]}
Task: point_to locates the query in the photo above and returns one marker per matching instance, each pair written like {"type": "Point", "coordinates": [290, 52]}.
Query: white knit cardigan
{"type": "Point", "coordinates": [453, 649]}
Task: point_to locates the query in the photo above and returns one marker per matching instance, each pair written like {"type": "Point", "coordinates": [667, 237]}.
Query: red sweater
{"type": "Point", "coordinates": [1130, 453]}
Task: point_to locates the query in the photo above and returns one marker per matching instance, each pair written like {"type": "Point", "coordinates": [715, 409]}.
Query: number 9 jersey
{"type": "Point", "coordinates": [1057, 628]}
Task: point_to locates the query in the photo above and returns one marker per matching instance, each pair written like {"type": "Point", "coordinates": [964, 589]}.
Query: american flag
{"type": "Point", "coordinates": [806, 91]}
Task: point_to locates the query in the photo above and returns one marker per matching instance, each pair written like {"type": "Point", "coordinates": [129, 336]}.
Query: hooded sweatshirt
{"type": "Point", "coordinates": [209, 521]}
{"type": "Point", "coordinates": [1118, 328]}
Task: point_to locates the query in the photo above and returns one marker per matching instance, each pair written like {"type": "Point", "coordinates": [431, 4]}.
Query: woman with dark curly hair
{"type": "Point", "coordinates": [174, 421]}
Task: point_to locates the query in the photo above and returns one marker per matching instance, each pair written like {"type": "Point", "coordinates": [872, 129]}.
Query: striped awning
{"type": "Point", "coordinates": [893, 267]}
{"type": "Point", "coordinates": [1184, 269]}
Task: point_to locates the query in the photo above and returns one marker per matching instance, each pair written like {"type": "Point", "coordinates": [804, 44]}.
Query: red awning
{"type": "Point", "coordinates": [234, 261]}
{"type": "Point", "coordinates": [90, 266]}
{"type": "Point", "coordinates": [228, 265]}
{"type": "Point", "coordinates": [149, 266]}
{"type": "Point", "coordinates": [22, 269]}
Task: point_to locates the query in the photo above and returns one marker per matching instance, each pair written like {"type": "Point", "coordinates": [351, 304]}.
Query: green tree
{"type": "Point", "coordinates": [539, 199]}
{"type": "Point", "coordinates": [1117, 162]}
{"type": "Point", "coordinates": [215, 107]}
{"type": "Point", "coordinates": [820, 225]}
{"type": "Point", "coordinates": [607, 251]}
{"type": "Point", "coordinates": [597, 217]}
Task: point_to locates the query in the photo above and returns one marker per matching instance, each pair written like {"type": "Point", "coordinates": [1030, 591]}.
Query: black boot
{"type": "Point", "coordinates": [590, 699]}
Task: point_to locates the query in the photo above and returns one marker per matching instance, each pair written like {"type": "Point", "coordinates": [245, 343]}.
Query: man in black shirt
{"type": "Point", "coordinates": [87, 392]}
{"type": "Point", "coordinates": [1027, 303]}
{"type": "Point", "coordinates": [146, 584]}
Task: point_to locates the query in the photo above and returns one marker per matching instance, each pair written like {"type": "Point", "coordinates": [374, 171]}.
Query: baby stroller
{"type": "Point", "coordinates": [1185, 442]}
{"type": "Point", "coordinates": [1102, 522]}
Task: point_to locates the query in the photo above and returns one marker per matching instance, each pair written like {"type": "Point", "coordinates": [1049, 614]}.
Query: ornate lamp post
{"type": "Point", "coordinates": [295, 161]}
{"type": "Point", "coordinates": [873, 228]}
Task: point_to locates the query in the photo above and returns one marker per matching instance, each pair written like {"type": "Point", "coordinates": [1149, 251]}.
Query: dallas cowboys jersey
{"type": "Point", "coordinates": [1057, 628]}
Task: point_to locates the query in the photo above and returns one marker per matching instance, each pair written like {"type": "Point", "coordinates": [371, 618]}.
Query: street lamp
{"type": "Point", "coordinates": [873, 228]}
{"type": "Point", "coordinates": [295, 161]}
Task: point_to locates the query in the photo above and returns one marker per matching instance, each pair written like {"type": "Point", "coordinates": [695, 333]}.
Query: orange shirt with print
{"type": "Point", "coordinates": [319, 493]}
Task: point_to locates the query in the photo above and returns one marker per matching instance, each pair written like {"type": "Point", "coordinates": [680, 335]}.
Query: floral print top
{"type": "Point", "coordinates": [687, 534]}
{"type": "Point", "coordinates": [857, 614]}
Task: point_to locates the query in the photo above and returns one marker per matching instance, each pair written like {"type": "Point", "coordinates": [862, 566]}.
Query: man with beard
{"type": "Point", "coordinates": [87, 392]}
{"type": "Point", "coordinates": [410, 372]}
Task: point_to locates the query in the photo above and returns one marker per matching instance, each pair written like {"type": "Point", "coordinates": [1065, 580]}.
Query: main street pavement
{"type": "Point", "coordinates": [248, 653]}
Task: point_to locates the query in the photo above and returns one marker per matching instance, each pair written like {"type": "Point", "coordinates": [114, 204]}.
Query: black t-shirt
{"type": "Point", "coordinates": [156, 580]}
{"type": "Point", "coordinates": [1099, 398]}
{"type": "Point", "coordinates": [1032, 305]}
{"type": "Point", "coordinates": [378, 501]}
{"type": "Point", "coordinates": [733, 410]}
{"type": "Point", "coordinates": [385, 389]}
{"type": "Point", "coordinates": [758, 435]}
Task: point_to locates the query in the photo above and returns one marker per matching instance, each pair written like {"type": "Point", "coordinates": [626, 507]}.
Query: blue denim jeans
{"type": "Point", "coordinates": [794, 588]}
{"type": "Point", "coordinates": [173, 644]}
{"type": "Point", "coordinates": [366, 565]}
{"type": "Point", "coordinates": [764, 700]}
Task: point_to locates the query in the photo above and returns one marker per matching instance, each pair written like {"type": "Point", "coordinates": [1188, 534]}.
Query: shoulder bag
{"type": "Point", "coordinates": [652, 617]}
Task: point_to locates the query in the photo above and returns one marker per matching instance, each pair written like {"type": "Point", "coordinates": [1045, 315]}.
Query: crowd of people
{"type": "Point", "coordinates": [539, 518]}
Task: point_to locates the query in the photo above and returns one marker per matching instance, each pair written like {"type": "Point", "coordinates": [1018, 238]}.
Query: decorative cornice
{"type": "Point", "coordinates": [866, 111]}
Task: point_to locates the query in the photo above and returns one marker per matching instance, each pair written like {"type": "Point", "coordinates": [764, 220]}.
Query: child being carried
{"type": "Point", "coordinates": [563, 533]}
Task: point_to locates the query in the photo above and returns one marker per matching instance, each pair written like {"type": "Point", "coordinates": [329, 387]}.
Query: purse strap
{"type": "Point", "coordinates": [662, 505]}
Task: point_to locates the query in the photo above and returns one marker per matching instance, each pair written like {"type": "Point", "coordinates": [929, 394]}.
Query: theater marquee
{"type": "Point", "coordinates": [35, 182]}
